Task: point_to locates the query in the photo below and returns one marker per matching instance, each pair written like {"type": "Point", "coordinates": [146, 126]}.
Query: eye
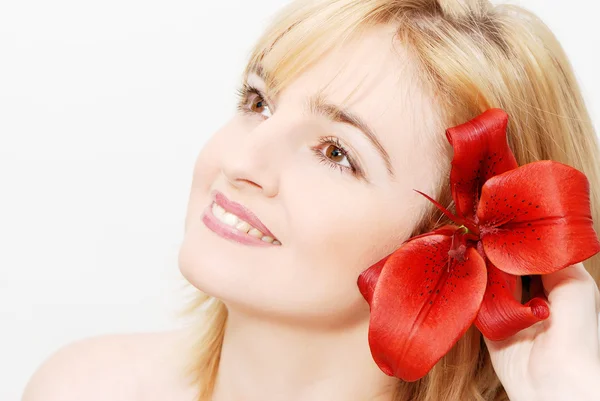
{"type": "Point", "coordinates": [252, 101]}
{"type": "Point", "coordinates": [334, 155]}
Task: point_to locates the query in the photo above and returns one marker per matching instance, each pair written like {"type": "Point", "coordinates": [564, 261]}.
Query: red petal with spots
{"type": "Point", "coordinates": [501, 315]}
{"type": "Point", "coordinates": [480, 152]}
{"type": "Point", "coordinates": [536, 219]}
{"type": "Point", "coordinates": [368, 278]}
{"type": "Point", "coordinates": [419, 309]}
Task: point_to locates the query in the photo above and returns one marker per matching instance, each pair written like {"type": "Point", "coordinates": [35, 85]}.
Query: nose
{"type": "Point", "coordinates": [255, 162]}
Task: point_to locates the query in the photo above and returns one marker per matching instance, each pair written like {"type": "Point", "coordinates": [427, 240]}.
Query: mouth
{"type": "Point", "coordinates": [231, 220]}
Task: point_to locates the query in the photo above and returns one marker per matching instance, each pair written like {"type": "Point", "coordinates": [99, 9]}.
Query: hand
{"type": "Point", "coordinates": [557, 358]}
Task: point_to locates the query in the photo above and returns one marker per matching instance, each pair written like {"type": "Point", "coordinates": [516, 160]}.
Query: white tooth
{"type": "Point", "coordinates": [230, 219]}
{"type": "Point", "coordinates": [243, 226]}
{"type": "Point", "coordinates": [217, 210]}
{"type": "Point", "coordinates": [255, 233]}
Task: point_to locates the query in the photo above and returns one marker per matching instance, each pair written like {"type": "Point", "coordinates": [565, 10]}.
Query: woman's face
{"type": "Point", "coordinates": [332, 223]}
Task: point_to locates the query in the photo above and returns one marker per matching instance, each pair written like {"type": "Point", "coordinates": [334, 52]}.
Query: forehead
{"type": "Point", "coordinates": [373, 76]}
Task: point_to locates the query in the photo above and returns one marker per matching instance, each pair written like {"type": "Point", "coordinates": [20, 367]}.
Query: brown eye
{"type": "Point", "coordinates": [334, 153]}
{"type": "Point", "coordinates": [252, 101]}
{"type": "Point", "coordinates": [258, 105]}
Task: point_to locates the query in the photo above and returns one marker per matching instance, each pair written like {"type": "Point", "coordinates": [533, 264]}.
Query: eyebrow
{"type": "Point", "coordinates": [318, 106]}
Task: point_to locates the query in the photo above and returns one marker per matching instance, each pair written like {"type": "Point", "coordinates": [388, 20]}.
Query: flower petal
{"type": "Point", "coordinates": [536, 219]}
{"type": "Point", "coordinates": [420, 309]}
{"type": "Point", "coordinates": [368, 279]}
{"type": "Point", "coordinates": [501, 315]}
{"type": "Point", "coordinates": [480, 152]}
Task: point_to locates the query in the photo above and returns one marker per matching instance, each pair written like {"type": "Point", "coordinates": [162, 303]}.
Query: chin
{"type": "Point", "coordinates": [209, 266]}
{"type": "Point", "coordinates": [223, 269]}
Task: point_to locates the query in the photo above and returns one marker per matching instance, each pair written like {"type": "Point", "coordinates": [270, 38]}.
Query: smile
{"type": "Point", "coordinates": [233, 221]}
{"type": "Point", "coordinates": [240, 225]}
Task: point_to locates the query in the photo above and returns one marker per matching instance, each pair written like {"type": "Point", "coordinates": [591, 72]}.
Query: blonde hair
{"type": "Point", "coordinates": [473, 56]}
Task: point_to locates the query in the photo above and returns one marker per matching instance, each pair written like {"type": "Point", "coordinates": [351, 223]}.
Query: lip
{"type": "Point", "coordinates": [232, 233]}
{"type": "Point", "coordinates": [242, 212]}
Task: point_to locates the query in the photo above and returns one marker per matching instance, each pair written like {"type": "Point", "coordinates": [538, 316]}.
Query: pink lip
{"type": "Point", "coordinates": [239, 210]}
{"type": "Point", "coordinates": [231, 232]}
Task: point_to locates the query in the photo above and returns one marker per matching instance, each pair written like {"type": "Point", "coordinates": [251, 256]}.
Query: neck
{"type": "Point", "coordinates": [268, 360]}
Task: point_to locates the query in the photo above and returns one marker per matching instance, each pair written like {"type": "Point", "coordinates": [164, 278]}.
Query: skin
{"type": "Point", "coordinates": [558, 358]}
{"type": "Point", "coordinates": [115, 367]}
{"type": "Point", "coordinates": [297, 326]}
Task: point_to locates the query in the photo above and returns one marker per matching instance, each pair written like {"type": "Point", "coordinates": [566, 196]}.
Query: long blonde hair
{"type": "Point", "coordinates": [473, 56]}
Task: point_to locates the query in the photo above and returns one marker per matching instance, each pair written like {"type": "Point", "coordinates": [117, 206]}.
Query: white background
{"type": "Point", "coordinates": [104, 106]}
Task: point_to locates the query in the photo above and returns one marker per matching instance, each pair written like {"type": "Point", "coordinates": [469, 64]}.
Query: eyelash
{"type": "Point", "coordinates": [243, 94]}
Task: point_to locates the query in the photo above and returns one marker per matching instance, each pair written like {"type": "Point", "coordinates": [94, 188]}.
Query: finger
{"type": "Point", "coordinates": [574, 301]}
{"type": "Point", "coordinates": [569, 280]}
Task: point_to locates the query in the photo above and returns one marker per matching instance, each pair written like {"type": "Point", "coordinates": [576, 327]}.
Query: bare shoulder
{"type": "Point", "coordinates": [137, 366]}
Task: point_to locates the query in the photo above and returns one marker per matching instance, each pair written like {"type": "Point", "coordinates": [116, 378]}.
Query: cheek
{"type": "Point", "coordinates": [338, 237]}
{"type": "Point", "coordinates": [335, 239]}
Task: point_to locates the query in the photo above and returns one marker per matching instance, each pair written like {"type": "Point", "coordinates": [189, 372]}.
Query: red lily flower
{"type": "Point", "coordinates": [510, 221]}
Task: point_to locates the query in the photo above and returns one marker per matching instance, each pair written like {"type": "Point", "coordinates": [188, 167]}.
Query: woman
{"type": "Point", "coordinates": [342, 112]}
